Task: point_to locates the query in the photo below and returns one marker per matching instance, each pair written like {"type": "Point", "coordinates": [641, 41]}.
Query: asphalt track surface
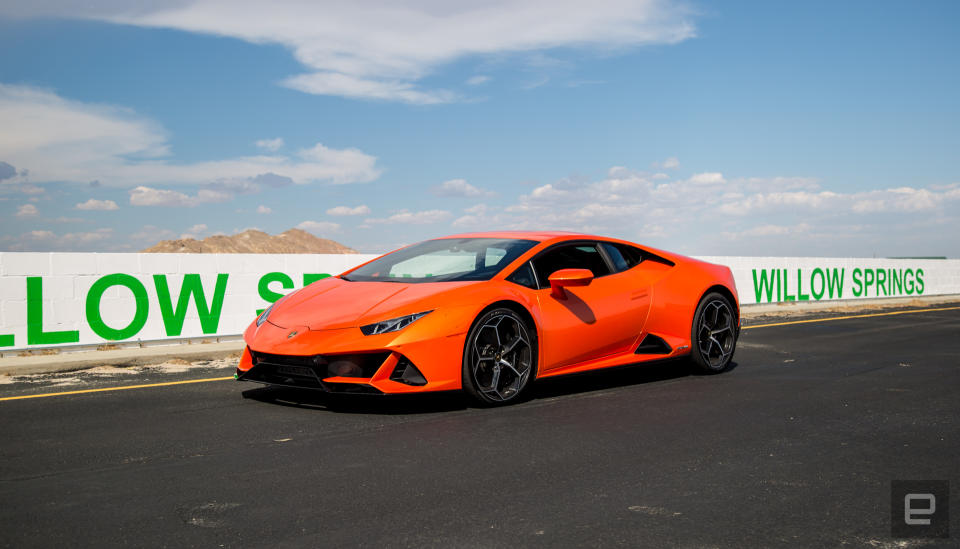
{"type": "Point", "coordinates": [795, 446]}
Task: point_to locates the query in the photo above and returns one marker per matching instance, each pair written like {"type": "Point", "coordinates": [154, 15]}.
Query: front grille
{"type": "Point", "coordinates": [293, 371]}
{"type": "Point", "coordinates": [309, 371]}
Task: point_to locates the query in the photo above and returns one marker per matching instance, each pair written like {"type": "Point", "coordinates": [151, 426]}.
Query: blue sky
{"type": "Point", "coordinates": [741, 128]}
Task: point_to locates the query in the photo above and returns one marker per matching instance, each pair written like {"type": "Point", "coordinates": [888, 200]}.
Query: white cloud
{"type": "Point", "coordinates": [670, 163]}
{"type": "Point", "coordinates": [459, 188]}
{"type": "Point", "coordinates": [414, 218]}
{"type": "Point", "coordinates": [475, 216]}
{"type": "Point", "coordinates": [27, 188]}
{"type": "Point", "coordinates": [477, 80]}
{"type": "Point", "coordinates": [319, 228]}
{"type": "Point", "coordinates": [338, 165]}
{"type": "Point", "coordinates": [205, 196]}
{"type": "Point", "coordinates": [380, 50]}
{"type": "Point", "coordinates": [63, 140]}
{"type": "Point", "coordinates": [271, 145]}
{"type": "Point", "coordinates": [40, 122]}
{"type": "Point", "coordinates": [581, 83]}
{"type": "Point", "coordinates": [548, 191]}
{"type": "Point", "coordinates": [74, 239]}
{"type": "Point", "coordinates": [764, 184]}
{"type": "Point", "coordinates": [27, 210]}
{"type": "Point", "coordinates": [152, 234]}
{"type": "Point", "coordinates": [347, 210]}
{"type": "Point", "coordinates": [40, 235]}
{"type": "Point", "coordinates": [775, 230]}
{"type": "Point", "coordinates": [195, 231]}
{"type": "Point", "coordinates": [98, 205]}
{"type": "Point", "coordinates": [148, 196]}
{"type": "Point", "coordinates": [332, 83]}
{"type": "Point", "coordinates": [708, 178]}
{"type": "Point", "coordinates": [735, 205]}
{"type": "Point", "coordinates": [466, 221]}
{"type": "Point", "coordinates": [261, 209]}
{"type": "Point", "coordinates": [598, 210]}
{"type": "Point", "coordinates": [709, 214]}
{"type": "Point", "coordinates": [44, 240]}
{"type": "Point", "coordinates": [535, 83]}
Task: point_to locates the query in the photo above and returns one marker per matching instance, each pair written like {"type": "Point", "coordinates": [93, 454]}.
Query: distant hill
{"type": "Point", "coordinates": [293, 241]}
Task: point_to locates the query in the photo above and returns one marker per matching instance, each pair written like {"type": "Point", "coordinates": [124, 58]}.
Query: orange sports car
{"type": "Point", "coordinates": [491, 312]}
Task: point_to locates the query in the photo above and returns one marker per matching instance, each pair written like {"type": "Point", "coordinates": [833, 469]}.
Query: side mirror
{"type": "Point", "coordinates": [568, 277]}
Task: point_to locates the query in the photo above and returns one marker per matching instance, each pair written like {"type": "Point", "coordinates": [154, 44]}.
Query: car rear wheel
{"type": "Point", "coordinates": [714, 334]}
{"type": "Point", "coordinates": [499, 358]}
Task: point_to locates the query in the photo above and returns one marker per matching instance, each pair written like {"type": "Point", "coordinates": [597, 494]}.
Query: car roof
{"type": "Point", "coordinates": [553, 237]}
{"type": "Point", "coordinates": [540, 236]}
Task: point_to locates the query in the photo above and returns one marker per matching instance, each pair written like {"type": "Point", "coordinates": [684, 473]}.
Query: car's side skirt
{"type": "Point", "coordinates": [622, 359]}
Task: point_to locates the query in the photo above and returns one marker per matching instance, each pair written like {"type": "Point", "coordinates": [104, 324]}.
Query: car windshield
{"type": "Point", "coordinates": [443, 260]}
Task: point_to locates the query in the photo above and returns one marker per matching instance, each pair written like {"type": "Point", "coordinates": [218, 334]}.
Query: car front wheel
{"type": "Point", "coordinates": [499, 358]}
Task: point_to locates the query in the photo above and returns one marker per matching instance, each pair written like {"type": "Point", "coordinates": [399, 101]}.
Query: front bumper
{"type": "Point", "coordinates": [345, 360]}
{"type": "Point", "coordinates": [363, 373]}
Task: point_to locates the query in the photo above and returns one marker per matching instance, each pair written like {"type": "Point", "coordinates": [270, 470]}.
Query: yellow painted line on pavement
{"type": "Point", "coordinates": [123, 388]}
{"type": "Point", "coordinates": [830, 319]}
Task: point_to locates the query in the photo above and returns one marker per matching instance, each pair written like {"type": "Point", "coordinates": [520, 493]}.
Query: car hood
{"type": "Point", "coordinates": [334, 303]}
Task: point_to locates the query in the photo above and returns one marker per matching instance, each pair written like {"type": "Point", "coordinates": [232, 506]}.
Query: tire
{"type": "Point", "coordinates": [713, 336]}
{"type": "Point", "coordinates": [499, 358]}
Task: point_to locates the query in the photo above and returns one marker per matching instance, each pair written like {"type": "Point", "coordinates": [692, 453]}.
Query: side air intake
{"type": "Point", "coordinates": [653, 345]}
{"type": "Point", "coordinates": [406, 372]}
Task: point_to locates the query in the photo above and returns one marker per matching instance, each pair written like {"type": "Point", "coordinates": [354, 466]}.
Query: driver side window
{"type": "Point", "coordinates": [574, 256]}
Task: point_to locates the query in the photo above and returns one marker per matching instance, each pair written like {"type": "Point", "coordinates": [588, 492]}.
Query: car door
{"type": "Point", "coordinates": [600, 319]}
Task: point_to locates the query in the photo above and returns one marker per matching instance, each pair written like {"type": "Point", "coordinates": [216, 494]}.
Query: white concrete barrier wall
{"type": "Point", "coordinates": [785, 279]}
{"type": "Point", "coordinates": [75, 299]}
{"type": "Point", "coordinates": [69, 299]}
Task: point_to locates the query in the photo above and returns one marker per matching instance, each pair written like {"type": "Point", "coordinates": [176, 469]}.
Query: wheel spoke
{"type": "Point", "coordinates": [510, 367]}
{"type": "Point", "coordinates": [713, 341]}
{"type": "Point", "coordinates": [495, 381]}
{"type": "Point", "coordinates": [513, 344]}
{"type": "Point", "coordinates": [485, 353]}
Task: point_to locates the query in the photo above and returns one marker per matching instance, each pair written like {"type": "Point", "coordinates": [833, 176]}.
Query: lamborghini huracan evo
{"type": "Point", "coordinates": [491, 312]}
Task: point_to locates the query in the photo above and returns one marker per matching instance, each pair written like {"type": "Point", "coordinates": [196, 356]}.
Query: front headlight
{"type": "Point", "coordinates": [263, 316]}
{"type": "Point", "coordinates": [392, 325]}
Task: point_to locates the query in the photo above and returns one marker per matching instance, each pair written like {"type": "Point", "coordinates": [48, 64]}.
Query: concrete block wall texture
{"type": "Point", "coordinates": [76, 299]}
{"type": "Point", "coordinates": [79, 299]}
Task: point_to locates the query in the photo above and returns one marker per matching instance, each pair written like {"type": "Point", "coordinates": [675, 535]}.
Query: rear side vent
{"type": "Point", "coordinates": [653, 345]}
